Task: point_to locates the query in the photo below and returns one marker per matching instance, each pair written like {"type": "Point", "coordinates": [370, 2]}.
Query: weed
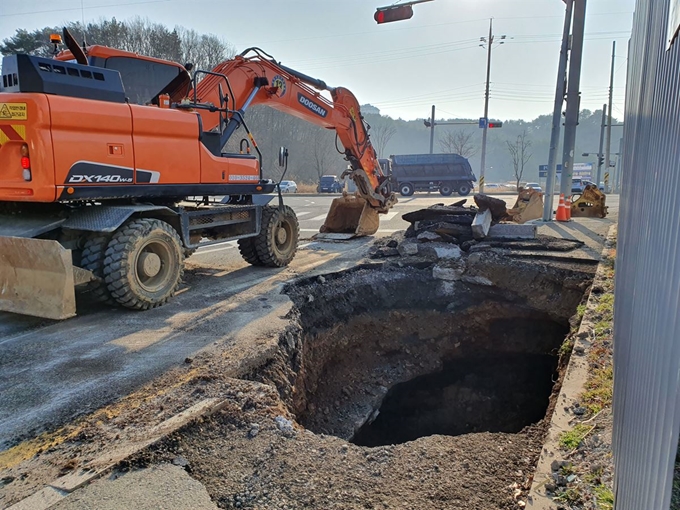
{"type": "Point", "coordinates": [580, 312]}
{"type": "Point", "coordinates": [566, 347]}
{"type": "Point", "coordinates": [570, 496]}
{"type": "Point", "coordinates": [571, 439]}
{"type": "Point", "coordinates": [605, 497]}
{"type": "Point", "coordinates": [599, 390]}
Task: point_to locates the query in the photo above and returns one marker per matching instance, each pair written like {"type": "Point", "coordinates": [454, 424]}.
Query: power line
{"type": "Point", "coordinates": [79, 8]}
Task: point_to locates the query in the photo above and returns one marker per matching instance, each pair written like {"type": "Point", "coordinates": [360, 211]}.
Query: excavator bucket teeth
{"type": "Point", "coordinates": [349, 217]}
{"type": "Point", "coordinates": [36, 278]}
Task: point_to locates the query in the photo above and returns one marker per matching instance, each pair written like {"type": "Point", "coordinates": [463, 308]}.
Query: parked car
{"type": "Point", "coordinates": [534, 185]}
{"type": "Point", "coordinates": [329, 184]}
{"type": "Point", "coordinates": [578, 185]}
{"type": "Point", "coordinates": [288, 187]}
{"type": "Point", "coordinates": [600, 187]}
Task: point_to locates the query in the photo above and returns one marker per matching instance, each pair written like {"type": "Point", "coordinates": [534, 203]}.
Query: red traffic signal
{"type": "Point", "coordinates": [495, 125]}
{"type": "Point", "coordinates": [389, 14]}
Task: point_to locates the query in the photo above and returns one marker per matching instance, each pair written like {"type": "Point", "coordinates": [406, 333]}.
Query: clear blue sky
{"type": "Point", "coordinates": [402, 68]}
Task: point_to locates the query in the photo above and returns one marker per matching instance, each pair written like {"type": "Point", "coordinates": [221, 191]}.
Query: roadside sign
{"type": "Point", "coordinates": [483, 122]}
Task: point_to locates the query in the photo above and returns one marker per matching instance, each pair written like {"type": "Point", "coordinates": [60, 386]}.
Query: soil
{"type": "Point", "coordinates": [283, 438]}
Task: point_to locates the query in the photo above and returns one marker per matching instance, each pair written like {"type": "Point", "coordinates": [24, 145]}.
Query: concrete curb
{"type": "Point", "coordinates": [572, 386]}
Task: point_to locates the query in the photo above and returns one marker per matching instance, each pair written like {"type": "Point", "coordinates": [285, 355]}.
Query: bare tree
{"type": "Point", "coordinates": [381, 134]}
{"type": "Point", "coordinates": [520, 154]}
{"type": "Point", "coordinates": [459, 142]}
{"type": "Point", "coordinates": [322, 151]}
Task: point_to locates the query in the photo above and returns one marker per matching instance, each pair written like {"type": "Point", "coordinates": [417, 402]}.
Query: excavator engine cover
{"type": "Point", "coordinates": [529, 206]}
{"type": "Point", "coordinates": [37, 278]}
{"type": "Point", "coordinates": [591, 204]}
{"type": "Point", "coordinates": [348, 217]}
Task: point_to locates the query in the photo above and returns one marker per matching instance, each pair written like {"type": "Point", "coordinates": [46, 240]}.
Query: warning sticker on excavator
{"type": "Point", "coordinates": [13, 111]}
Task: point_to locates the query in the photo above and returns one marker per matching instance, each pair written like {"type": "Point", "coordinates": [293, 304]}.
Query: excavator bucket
{"type": "Point", "coordinates": [36, 278]}
{"type": "Point", "coordinates": [590, 204]}
{"type": "Point", "coordinates": [529, 206]}
{"type": "Point", "coordinates": [349, 217]}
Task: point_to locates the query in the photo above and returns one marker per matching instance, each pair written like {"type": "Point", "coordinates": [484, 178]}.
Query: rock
{"type": "Point", "coordinates": [440, 251]}
{"type": "Point", "coordinates": [188, 360]}
{"type": "Point", "coordinates": [321, 279]}
{"type": "Point", "coordinates": [393, 243]}
{"type": "Point", "coordinates": [465, 246]}
{"type": "Point", "coordinates": [254, 430]}
{"type": "Point", "coordinates": [571, 478]}
{"type": "Point", "coordinates": [578, 349]}
{"type": "Point", "coordinates": [408, 248]}
{"type": "Point", "coordinates": [310, 298]}
{"type": "Point", "coordinates": [446, 273]}
{"type": "Point", "coordinates": [180, 461]}
{"type": "Point", "coordinates": [580, 411]}
{"type": "Point", "coordinates": [428, 236]}
{"type": "Point", "coordinates": [495, 206]}
{"type": "Point", "coordinates": [550, 487]}
{"type": "Point", "coordinates": [481, 224]}
{"type": "Point", "coordinates": [556, 465]}
{"type": "Point", "coordinates": [477, 280]}
{"type": "Point", "coordinates": [285, 426]}
{"type": "Point", "coordinates": [435, 212]}
{"type": "Point", "coordinates": [512, 231]}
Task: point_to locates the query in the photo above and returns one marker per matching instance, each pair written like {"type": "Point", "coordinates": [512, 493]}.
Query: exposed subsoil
{"type": "Point", "coordinates": [458, 375]}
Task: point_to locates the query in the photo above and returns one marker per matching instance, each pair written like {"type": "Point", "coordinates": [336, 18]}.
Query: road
{"type": "Point", "coordinates": [52, 372]}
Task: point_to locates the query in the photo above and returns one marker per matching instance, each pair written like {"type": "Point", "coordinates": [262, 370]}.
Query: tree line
{"type": "Point", "coordinates": [514, 151]}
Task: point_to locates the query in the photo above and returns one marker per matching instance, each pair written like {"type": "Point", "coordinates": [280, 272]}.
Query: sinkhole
{"type": "Point", "coordinates": [389, 355]}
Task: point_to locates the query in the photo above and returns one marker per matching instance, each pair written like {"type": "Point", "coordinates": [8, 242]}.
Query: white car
{"type": "Point", "coordinates": [288, 187]}
{"type": "Point", "coordinates": [534, 185]}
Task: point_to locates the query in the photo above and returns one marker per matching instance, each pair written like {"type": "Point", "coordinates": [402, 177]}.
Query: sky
{"type": "Point", "coordinates": [403, 68]}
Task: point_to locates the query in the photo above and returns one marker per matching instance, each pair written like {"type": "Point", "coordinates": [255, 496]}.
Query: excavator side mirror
{"type": "Point", "coordinates": [283, 156]}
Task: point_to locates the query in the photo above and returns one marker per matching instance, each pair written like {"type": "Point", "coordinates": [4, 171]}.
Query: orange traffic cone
{"type": "Point", "coordinates": [561, 210]}
{"type": "Point", "coordinates": [567, 207]}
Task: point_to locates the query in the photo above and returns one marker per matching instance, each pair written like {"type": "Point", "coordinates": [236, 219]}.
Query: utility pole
{"type": "Point", "coordinates": [486, 105]}
{"type": "Point", "coordinates": [608, 152]}
{"type": "Point", "coordinates": [600, 154]}
{"type": "Point", "coordinates": [557, 114]}
{"type": "Point", "coordinates": [432, 123]}
{"type": "Point", "coordinates": [573, 96]}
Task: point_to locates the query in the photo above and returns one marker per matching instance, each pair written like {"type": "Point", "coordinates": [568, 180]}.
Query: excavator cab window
{"type": "Point", "coordinates": [143, 80]}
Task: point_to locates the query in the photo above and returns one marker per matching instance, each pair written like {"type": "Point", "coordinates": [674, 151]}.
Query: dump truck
{"type": "Point", "coordinates": [113, 170]}
{"type": "Point", "coordinates": [446, 173]}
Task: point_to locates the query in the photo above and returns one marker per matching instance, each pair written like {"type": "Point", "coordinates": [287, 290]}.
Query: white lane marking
{"type": "Point", "coordinates": [388, 216]}
{"type": "Point", "coordinates": [303, 213]}
{"type": "Point", "coordinates": [317, 218]}
{"type": "Point", "coordinates": [226, 246]}
{"type": "Point", "coordinates": [384, 230]}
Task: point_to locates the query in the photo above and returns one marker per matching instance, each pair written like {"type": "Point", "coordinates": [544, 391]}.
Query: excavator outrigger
{"type": "Point", "coordinates": [113, 168]}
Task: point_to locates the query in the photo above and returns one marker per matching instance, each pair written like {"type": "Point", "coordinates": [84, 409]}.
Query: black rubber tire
{"type": "Point", "coordinates": [92, 259]}
{"type": "Point", "coordinates": [446, 189]}
{"type": "Point", "coordinates": [248, 251]}
{"type": "Point", "coordinates": [274, 248]}
{"type": "Point", "coordinates": [406, 189]}
{"type": "Point", "coordinates": [464, 190]}
{"type": "Point", "coordinates": [122, 264]}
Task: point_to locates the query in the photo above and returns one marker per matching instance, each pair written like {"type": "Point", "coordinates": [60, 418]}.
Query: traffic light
{"type": "Point", "coordinates": [389, 14]}
{"type": "Point", "coordinates": [495, 125]}
{"type": "Point", "coordinates": [600, 161]}
{"type": "Point", "coordinates": [427, 123]}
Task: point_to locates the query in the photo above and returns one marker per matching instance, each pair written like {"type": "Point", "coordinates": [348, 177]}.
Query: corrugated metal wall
{"type": "Point", "coordinates": [647, 315]}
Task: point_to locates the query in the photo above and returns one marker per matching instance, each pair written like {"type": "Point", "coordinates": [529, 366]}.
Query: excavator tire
{"type": "Point", "coordinates": [92, 259]}
{"type": "Point", "coordinates": [249, 252]}
{"type": "Point", "coordinates": [144, 264]}
{"type": "Point", "coordinates": [278, 239]}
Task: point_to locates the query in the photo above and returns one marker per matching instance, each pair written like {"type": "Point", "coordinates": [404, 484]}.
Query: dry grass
{"type": "Point", "coordinates": [307, 188]}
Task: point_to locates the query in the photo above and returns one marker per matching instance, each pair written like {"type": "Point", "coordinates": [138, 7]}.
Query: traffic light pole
{"type": "Point", "coordinates": [486, 107]}
{"type": "Point", "coordinates": [600, 158]}
{"type": "Point", "coordinates": [573, 96]}
{"type": "Point", "coordinates": [557, 114]}
{"type": "Point", "coordinates": [432, 124]}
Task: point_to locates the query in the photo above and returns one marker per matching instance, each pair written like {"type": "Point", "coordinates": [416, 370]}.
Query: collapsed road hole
{"type": "Point", "coordinates": [385, 356]}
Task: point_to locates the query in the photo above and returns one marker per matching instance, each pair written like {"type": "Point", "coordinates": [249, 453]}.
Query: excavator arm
{"type": "Point", "coordinates": [254, 77]}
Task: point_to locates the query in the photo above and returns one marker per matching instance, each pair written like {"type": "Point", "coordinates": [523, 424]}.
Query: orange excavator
{"type": "Point", "coordinates": [113, 169]}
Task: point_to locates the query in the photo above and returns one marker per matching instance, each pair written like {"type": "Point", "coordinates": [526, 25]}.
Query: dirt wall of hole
{"type": "Point", "coordinates": [354, 335]}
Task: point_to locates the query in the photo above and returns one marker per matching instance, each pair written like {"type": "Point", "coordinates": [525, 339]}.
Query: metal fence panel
{"type": "Point", "coordinates": [647, 315]}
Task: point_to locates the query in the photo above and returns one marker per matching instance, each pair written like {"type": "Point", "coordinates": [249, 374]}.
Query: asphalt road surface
{"type": "Point", "coordinates": [52, 372]}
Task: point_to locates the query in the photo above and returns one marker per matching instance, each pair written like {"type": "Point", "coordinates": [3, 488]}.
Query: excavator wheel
{"type": "Point", "coordinates": [278, 239]}
{"type": "Point", "coordinates": [144, 264]}
{"type": "Point", "coordinates": [249, 252]}
{"type": "Point", "coordinates": [92, 259]}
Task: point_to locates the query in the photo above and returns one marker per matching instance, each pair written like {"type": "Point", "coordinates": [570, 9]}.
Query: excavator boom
{"type": "Point", "coordinates": [254, 77]}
